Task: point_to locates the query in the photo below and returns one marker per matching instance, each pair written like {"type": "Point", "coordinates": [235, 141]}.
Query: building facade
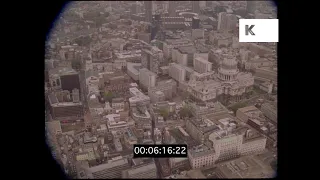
{"type": "Point", "coordinates": [201, 156]}
{"type": "Point", "coordinates": [201, 65]}
{"type": "Point", "coordinates": [177, 72]}
{"type": "Point", "coordinates": [147, 78]}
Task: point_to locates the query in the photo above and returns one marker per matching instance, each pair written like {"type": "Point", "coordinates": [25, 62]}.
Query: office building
{"type": "Point", "coordinates": [232, 140]}
{"type": "Point", "coordinates": [116, 82]}
{"type": "Point", "coordinates": [227, 22]}
{"type": "Point", "coordinates": [195, 23]}
{"type": "Point", "coordinates": [201, 156]}
{"type": "Point", "coordinates": [172, 8]}
{"type": "Point", "coordinates": [118, 103]}
{"type": "Point", "coordinates": [215, 109]}
{"type": "Point", "coordinates": [144, 171]}
{"type": "Point", "coordinates": [147, 78]}
{"type": "Point", "coordinates": [185, 55]}
{"type": "Point", "coordinates": [195, 6]}
{"type": "Point", "coordinates": [222, 21]}
{"type": "Point", "coordinates": [232, 22]}
{"type": "Point", "coordinates": [248, 167]}
{"type": "Point", "coordinates": [266, 73]}
{"type": "Point", "coordinates": [114, 123]}
{"type": "Point", "coordinates": [227, 146]}
{"type": "Point", "coordinates": [200, 129]}
{"type": "Point", "coordinates": [170, 44]}
{"type": "Point", "coordinates": [197, 34]}
{"type": "Point", "coordinates": [54, 127]}
{"type": "Point", "coordinates": [61, 106]}
{"type": "Point", "coordinates": [168, 87]}
{"type": "Point", "coordinates": [252, 143]}
{"type": "Point", "coordinates": [111, 170]}
{"type": "Point", "coordinates": [133, 70]}
{"type": "Point", "coordinates": [70, 81]}
{"type": "Point", "coordinates": [177, 25]}
{"type": "Point", "coordinates": [177, 72]}
{"type": "Point", "coordinates": [258, 62]}
{"type": "Point", "coordinates": [148, 11]}
{"type": "Point", "coordinates": [270, 111]}
{"type": "Point", "coordinates": [133, 8]}
{"type": "Point", "coordinates": [201, 65]}
{"type": "Point", "coordinates": [157, 96]}
{"type": "Point", "coordinates": [179, 164]}
{"type": "Point", "coordinates": [152, 59]}
{"type": "Point", "coordinates": [138, 97]}
{"type": "Point", "coordinates": [142, 117]}
{"type": "Point", "coordinates": [248, 112]}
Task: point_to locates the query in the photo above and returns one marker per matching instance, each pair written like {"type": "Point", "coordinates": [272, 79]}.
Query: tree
{"type": "Point", "coordinates": [185, 112]}
{"type": "Point", "coordinates": [108, 96]}
{"type": "Point", "coordinates": [184, 95]}
{"type": "Point", "coordinates": [164, 113]}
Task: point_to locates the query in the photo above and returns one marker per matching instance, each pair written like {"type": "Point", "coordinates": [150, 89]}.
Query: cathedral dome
{"type": "Point", "coordinates": [229, 64]}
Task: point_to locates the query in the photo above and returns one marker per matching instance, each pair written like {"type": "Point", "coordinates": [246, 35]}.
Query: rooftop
{"type": "Point", "coordinates": [108, 165]}
{"type": "Point", "coordinates": [200, 150]}
{"type": "Point", "coordinates": [187, 49]}
{"type": "Point", "coordinates": [142, 168]}
{"type": "Point", "coordinates": [244, 167]}
{"type": "Point", "coordinates": [147, 72]}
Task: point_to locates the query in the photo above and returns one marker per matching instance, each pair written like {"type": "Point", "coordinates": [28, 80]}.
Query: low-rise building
{"type": "Point", "coordinates": [257, 62]}
{"type": "Point", "coordinates": [168, 87]}
{"type": "Point", "coordinates": [248, 112]}
{"type": "Point", "coordinates": [142, 117]}
{"type": "Point", "coordinates": [270, 111]}
{"type": "Point", "coordinates": [114, 123]}
{"type": "Point", "coordinates": [138, 97]}
{"type": "Point", "coordinates": [179, 164]}
{"type": "Point", "coordinates": [133, 70]}
{"type": "Point", "coordinates": [118, 103]}
{"type": "Point", "coordinates": [144, 171]}
{"type": "Point", "coordinates": [201, 156]}
{"type": "Point", "coordinates": [112, 169]}
{"type": "Point", "coordinates": [244, 167]}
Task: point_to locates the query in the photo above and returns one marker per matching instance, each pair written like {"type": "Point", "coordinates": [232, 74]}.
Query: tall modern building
{"type": "Point", "coordinates": [195, 23]}
{"type": "Point", "coordinates": [152, 59]}
{"type": "Point", "coordinates": [172, 8]}
{"type": "Point", "coordinates": [70, 81]}
{"type": "Point", "coordinates": [177, 72]}
{"type": "Point", "coordinates": [133, 8]}
{"type": "Point", "coordinates": [201, 65]}
{"type": "Point", "coordinates": [148, 10]}
{"type": "Point", "coordinates": [195, 6]}
{"type": "Point", "coordinates": [227, 22]}
{"type": "Point", "coordinates": [222, 21]}
{"type": "Point", "coordinates": [147, 78]}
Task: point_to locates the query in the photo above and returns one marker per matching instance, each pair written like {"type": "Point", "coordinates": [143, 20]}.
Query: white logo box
{"type": "Point", "coordinates": [264, 30]}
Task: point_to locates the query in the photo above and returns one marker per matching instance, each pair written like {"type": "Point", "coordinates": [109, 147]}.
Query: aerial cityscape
{"type": "Point", "coordinates": [123, 74]}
